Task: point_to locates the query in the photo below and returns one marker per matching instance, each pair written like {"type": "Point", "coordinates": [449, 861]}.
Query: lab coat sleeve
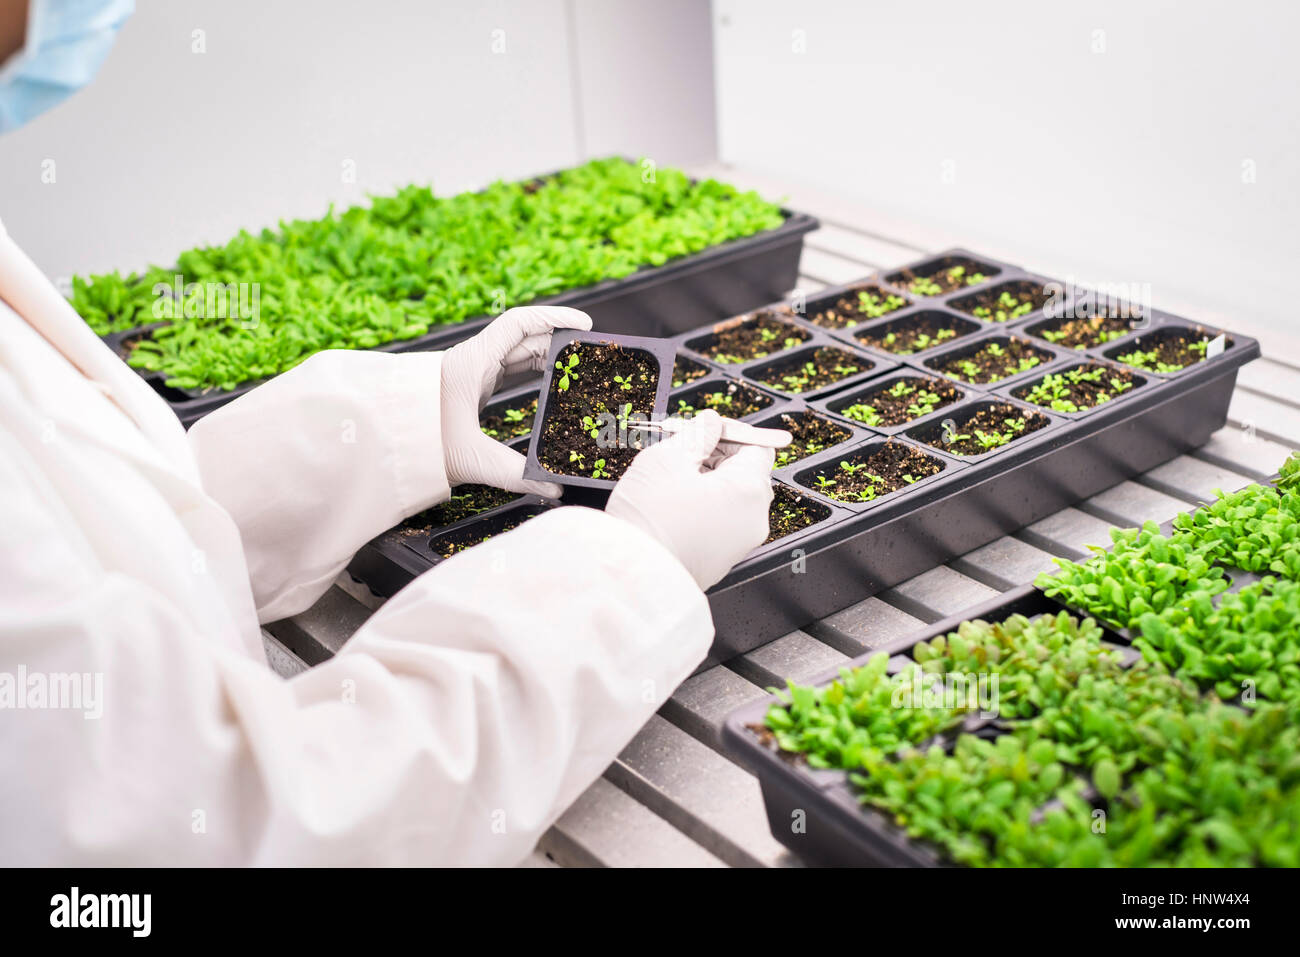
{"type": "Point", "coordinates": [318, 461]}
{"type": "Point", "coordinates": [452, 729]}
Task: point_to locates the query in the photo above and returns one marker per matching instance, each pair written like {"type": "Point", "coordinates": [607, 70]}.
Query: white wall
{"type": "Point", "coordinates": [1122, 165]}
{"type": "Point", "coordinates": [170, 147]}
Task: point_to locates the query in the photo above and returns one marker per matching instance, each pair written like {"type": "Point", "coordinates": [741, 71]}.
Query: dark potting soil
{"type": "Point", "coordinates": [686, 371]}
{"type": "Point", "coordinates": [1004, 302]}
{"type": "Point", "coordinates": [904, 337]}
{"type": "Point", "coordinates": [991, 427]}
{"type": "Point", "coordinates": [1167, 350]}
{"type": "Point", "coordinates": [868, 476]}
{"type": "Point", "coordinates": [510, 422]}
{"type": "Point", "coordinates": [733, 400]}
{"type": "Point", "coordinates": [755, 338]}
{"type": "Point", "coordinates": [1082, 387]}
{"type": "Point", "coordinates": [901, 401]}
{"type": "Point", "coordinates": [994, 361]}
{"type": "Point", "coordinates": [812, 434]}
{"type": "Point", "coordinates": [608, 384]}
{"type": "Point", "coordinates": [466, 500]}
{"type": "Point", "coordinates": [1086, 332]}
{"type": "Point", "coordinates": [949, 274]}
{"type": "Point", "coordinates": [810, 371]}
{"type": "Point", "coordinates": [456, 542]}
{"type": "Point", "coordinates": [791, 512]}
{"type": "Point", "coordinates": [858, 306]}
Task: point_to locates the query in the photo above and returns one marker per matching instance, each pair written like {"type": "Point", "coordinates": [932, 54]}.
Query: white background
{"type": "Point", "coordinates": [1122, 165]}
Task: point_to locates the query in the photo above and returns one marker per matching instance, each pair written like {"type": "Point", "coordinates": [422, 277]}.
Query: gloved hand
{"type": "Point", "coordinates": [516, 341]}
{"type": "Point", "coordinates": [709, 518]}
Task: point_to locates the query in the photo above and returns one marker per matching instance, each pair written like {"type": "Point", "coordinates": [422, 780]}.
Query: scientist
{"type": "Point", "coordinates": [458, 722]}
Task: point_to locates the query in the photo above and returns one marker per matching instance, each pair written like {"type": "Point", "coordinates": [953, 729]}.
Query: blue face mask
{"type": "Point", "coordinates": [67, 40]}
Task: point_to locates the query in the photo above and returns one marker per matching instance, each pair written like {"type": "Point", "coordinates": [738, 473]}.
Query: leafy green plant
{"type": "Point", "coordinates": [409, 261]}
{"type": "Point", "coordinates": [1142, 572]}
{"type": "Point", "coordinates": [860, 412]}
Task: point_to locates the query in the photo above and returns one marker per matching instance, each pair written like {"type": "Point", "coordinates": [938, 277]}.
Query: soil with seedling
{"type": "Point", "coordinates": [1005, 302]}
{"type": "Point", "coordinates": [791, 512]}
{"type": "Point", "coordinates": [905, 337]}
{"type": "Point", "coordinates": [811, 434]}
{"type": "Point", "coordinates": [755, 338]}
{"type": "Point", "coordinates": [1086, 332]}
{"type": "Point", "coordinates": [991, 427]}
{"type": "Point", "coordinates": [994, 361]}
{"type": "Point", "coordinates": [607, 380]}
{"type": "Point", "coordinates": [734, 400]}
{"type": "Point", "coordinates": [859, 306]}
{"type": "Point", "coordinates": [810, 371]}
{"type": "Point", "coordinates": [865, 478]}
{"type": "Point", "coordinates": [1169, 350]}
{"type": "Point", "coordinates": [901, 401]}
{"type": "Point", "coordinates": [465, 501]}
{"type": "Point", "coordinates": [457, 542]}
{"type": "Point", "coordinates": [948, 276]}
{"type": "Point", "coordinates": [1083, 387]}
{"type": "Point", "coordinates": [686, 371]}
{"type": "Point", "coordinates": [511, 422]}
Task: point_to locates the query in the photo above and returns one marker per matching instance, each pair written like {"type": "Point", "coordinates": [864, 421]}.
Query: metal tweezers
{"type": "Point", "coordinates": [733, 431]}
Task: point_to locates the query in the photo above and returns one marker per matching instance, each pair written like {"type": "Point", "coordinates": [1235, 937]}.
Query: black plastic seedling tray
{"type": "Point", "coordinates": [855, 553]}
{"type": "Point", "coordinates": [815, 812]}
{"type": "Point", "coordinates": [662, 351]}
{"type": "Point", "coordinates": [834, 827]}
{"type": "Point", "coordinates": [658, 301]}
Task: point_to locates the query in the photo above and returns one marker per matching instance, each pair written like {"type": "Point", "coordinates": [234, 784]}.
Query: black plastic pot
{"type": "Point", "coordinates": [816, 812]}
{"type": "Point", "coordinates": [682, 294]}
{"type": "Point", "coordinates": [663, 351]}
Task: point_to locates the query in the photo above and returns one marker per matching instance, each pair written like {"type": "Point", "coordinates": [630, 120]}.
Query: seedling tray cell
{"type": "Point", "coordinates": [387, 563]}
{"type": "Point", "coordinates": [935, 433]}
{"type": "Point", "coordinates": [498, 415]}
{"type": "Point", "coordinates": [1163, 332]}
{"type": "Point", "coordinates": [830, 465]}
{"type": "Point", "coordinates": [747, 340]}
{"type": "Point", "coordinates": [950, 273]}
{"type": "Point", "coordinates": [659, 354]}
{"type": "Point", "coordinates": [949, 393]}
{"type": "Point", "coordinates": [1108, 374]}
{"type": "Point", "coordinates": [758, 401]}
{"type": "Point", "coordinates": [808, 426]}
{"type": "Point", "coordinates": [989, 371]}
{"type": "Point", "coordinates": [915, 332]}
{"type": "Point", "coordinates": [786, 374]}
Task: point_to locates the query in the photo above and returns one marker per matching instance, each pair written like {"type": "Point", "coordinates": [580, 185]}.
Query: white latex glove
{"type": "Point", "coordinates": [710, 518]}
{"type": "Point", "coordinates": [517, 341]}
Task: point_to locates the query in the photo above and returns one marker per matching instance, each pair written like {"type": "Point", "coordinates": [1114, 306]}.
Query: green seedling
{"type": "Point", "coordinates": [568, 371]}
{"type": "Point", "coordinates": [863, 413]}
{"type": "Point", "coordinates": [624, 384]}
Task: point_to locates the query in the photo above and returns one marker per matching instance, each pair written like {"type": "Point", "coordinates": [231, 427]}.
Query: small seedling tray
{"type": "Point", "coordinates": [815, 812]}
{"type": "Point", "coordinates": [662, 351]}
{"type": "Point", "coordinates": [855, 553]}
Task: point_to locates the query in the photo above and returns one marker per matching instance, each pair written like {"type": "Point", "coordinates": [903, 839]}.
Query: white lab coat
{"type": "Point", "coordinates": [453, 728]}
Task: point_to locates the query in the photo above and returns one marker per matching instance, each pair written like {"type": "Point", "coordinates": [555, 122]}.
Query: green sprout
{"type": "Point", "coordinates": [568, 371]}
